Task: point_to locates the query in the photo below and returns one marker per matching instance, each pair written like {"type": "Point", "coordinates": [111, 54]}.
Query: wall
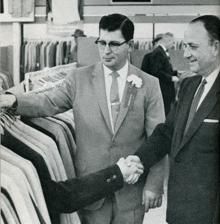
{"type": "Point", "coordinates": [160, 2]}
{"type": "Point", "coordinates": [6, 49]}
{"type": "Point", "coordinates": [160, 11]}
{"type": "Point", "coordinates": [88, 54]}
{"type": "Point", "coordinates": [6, 31]}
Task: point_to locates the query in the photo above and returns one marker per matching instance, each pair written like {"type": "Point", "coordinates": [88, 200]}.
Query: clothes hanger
{"type": "Point", "coordinates": [6, 116]}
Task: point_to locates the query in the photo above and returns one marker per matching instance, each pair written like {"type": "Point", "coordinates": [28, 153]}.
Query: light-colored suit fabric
{"type": "Point", "coordinates": [32, 176]}
{"type": "Point", "coordinates": [97, 147]}
{"type": "Point", "coordinates": [5, 204]}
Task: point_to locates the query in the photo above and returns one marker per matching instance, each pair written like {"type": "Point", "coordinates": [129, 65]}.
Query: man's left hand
{"type": "Point", "coordinates": [151, 200]}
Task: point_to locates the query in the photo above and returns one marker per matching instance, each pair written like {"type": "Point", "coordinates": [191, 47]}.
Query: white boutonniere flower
{"type": "Point", "coordinates": [135, 83]}
{"type": "Point", "coordinates": [135, 80]}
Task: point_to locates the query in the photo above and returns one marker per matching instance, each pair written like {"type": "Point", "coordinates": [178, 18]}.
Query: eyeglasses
{"type": "Point", "coordinates": [112, 45]}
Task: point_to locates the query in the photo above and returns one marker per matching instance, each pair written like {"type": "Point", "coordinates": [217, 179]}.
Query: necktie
{"type": "Point", "coordinates": [114, 98]}
{"type": "Point", "coordinates": [195, 104]}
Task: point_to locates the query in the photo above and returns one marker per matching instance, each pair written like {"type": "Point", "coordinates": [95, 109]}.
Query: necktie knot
{"type": "Point", "coordinates": [204, 82]}
{"type": "Point", "coordinates": [114, 75]}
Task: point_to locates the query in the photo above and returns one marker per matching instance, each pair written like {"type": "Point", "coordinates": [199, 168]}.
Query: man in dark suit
{"type": "Point", "coordinates": [146, 60]}
{"type": "Point", "coordinates": [157, 63]}
{"type": "Point", "coordinates": [116, 107]}
{"type": "Point", "coordinates": [191, 132]}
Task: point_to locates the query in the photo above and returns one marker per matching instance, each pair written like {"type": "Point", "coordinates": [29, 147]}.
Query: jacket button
{"type": "Point", "coordinates": [108, 180]}
{"type": "Point", "coordinates": [114, 177]}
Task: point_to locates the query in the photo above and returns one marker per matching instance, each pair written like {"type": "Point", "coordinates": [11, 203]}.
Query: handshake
{"type": "Point", "coordinates": [131, 168]}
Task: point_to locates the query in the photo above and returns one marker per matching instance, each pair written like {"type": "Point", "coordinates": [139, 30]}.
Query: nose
{"type": "Point", "coordinates": [107, 49]}
{"type": "Point", "coordinates": [187, 52]}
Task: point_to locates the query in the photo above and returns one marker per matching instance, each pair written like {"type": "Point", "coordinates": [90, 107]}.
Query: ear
{"type": "Point", "coordinates": [216, 47]}
{"type": "Point", "coordinates": [130, 45]}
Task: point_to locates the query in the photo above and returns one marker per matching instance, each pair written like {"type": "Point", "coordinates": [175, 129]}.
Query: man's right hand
{"type": "Point", "coordinates": [131, 171]}
{"type": "Point", "coordinates": [7, 100]}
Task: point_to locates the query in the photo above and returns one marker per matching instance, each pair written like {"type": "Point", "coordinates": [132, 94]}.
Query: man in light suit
{"type": "Point", "coordinates": [191, 132]}
{"type": "Point", "coordinates": [112, 120]}
{"type": "Point", "coordinates": [158, 64]}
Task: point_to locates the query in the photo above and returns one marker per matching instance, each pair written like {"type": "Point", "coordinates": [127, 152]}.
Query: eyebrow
{"type": "Point", "coordinates": [190, 43]}
{"type": "Point", "coordinates": [109, 41]}
{"type": "Point", "coordinates": [113, 41]}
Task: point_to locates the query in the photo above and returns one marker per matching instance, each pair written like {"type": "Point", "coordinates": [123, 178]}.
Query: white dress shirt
{"type": "Point", "coordinates": [165, 50]}
{"type": "Point", "coordinates": [123, 72]}
{"type": "Point", "coordinates": [210, 81]}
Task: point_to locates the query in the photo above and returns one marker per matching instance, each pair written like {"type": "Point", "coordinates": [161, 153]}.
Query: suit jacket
{"type": "Point", "coordinates": [97, 147]}
{"type": "Point", "coordinates": [158, 64]}
{"type": "Point", "coordinates": [194, 157]}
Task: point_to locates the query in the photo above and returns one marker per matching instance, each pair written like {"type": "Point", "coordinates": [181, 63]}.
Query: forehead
{"type": "Point", "coordinates": [111, 36]}
{"type": "Point", "coordinates": [196, 33]}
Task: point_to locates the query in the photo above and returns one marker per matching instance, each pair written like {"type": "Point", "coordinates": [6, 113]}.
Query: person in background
{"type": "Point", "coordinates": [159, 65]}
{"type": "Point", "coordinates": [146, 60]}
{"type": "Point", "coordinates": [157, 40]}
{"type": "Point", "coordinates": [116, 107]}
{"type": "Point", "coordinates": [73, 51]}
{"type": "Point", "coordinates": [191, 133]}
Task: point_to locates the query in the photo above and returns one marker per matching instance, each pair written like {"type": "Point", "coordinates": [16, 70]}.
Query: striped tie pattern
{"type": "Point", "coordinates": [195, 103]}
{"type": "Point", "coordinates": [114, 97]}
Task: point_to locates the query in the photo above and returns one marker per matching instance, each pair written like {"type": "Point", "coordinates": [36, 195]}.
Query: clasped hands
{"type": "Point", "coordinates": [131, 168]}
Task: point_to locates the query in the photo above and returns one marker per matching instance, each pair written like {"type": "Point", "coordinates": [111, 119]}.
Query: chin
{"type": "Point", "coordinates": [109, 64]}
{"type": "Point", "coordinates": [193, 69]}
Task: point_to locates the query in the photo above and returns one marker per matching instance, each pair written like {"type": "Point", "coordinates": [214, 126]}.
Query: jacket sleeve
{"type": "Point", "coordinates": [48, 103]}
{"type": "Point", "coordinates": [155, 115]}
{"type": "Point", "coordinates": [158, 68]}
{"type": "Point", "coordinates": [158, 145]}
{"type": "Point", "coordinates": [73, 194]}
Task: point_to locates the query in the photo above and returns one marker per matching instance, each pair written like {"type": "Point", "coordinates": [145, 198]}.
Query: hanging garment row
{"type": "Point", "coordinates": [142, 44]}
{"type": "Point", "coordinates": [35, 55]}
{"type": "Point", "coordinates": [33, 151]}
{"type": "Point", "coordinates": [17, 8]}
{"type": "Point", "coordinates": [49, 144]}
{"type": "Point", "coordinates": [6, 81]}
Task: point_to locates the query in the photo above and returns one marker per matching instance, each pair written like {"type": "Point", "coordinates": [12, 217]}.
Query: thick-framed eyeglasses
{"type": "Point", "coordinates": [112, 45]}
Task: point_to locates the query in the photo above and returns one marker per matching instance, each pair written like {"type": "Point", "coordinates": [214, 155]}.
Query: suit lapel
{"type": "Point", "coordinates": [163, 52]}
{"type": "Point", "coordinates": [124, 110]}
{"type": "Point", "coordinates": [99, 88]}
{"type": "Point", "coordinates": [168, 61]}
{"type": "Point", "coordinates": [203, 111]}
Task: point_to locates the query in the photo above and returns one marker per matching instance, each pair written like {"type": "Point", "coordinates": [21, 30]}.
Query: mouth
{"type": "Point", "coordinates": [108, 59]}
{"type": "Point", "coordinates": [191, 61]}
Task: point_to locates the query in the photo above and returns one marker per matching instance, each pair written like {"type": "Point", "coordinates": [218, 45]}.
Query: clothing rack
{"type": "Point", "coordinates": [36, 54]}
{"type": "Point", "coordinates": [48, 78]}
{"type": "Point", "coordinates": [52, 137]}
{"type": "Point", "coordinates": [23, 141]}
{"type": "Point", "coordinates": [146, 44]}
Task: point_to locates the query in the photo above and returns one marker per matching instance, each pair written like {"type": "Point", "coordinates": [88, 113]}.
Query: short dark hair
{"type": "Point", "coordinates": [115, 22]}
{"type": "Point", "coordinates": [211, 24]}
{"type": "Point", "coordinates": [157, 38]}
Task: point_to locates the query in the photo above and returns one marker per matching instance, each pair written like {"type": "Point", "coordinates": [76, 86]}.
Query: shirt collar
{"type": "Point", "coordinates": [163, 47]}
{"type": "Point", "coordinates": [123, 72]}
{"type": "Point", "coordinates": [212, 76]}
